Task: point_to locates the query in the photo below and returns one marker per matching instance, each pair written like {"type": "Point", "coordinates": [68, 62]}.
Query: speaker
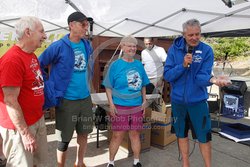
{"type": "Point", "coordinates": [233, 106]}
{"type": "Point", "coordinates": [237, 87]}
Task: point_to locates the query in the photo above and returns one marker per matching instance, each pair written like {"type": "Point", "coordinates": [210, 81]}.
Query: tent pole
{"type": "Point", "coordinates": [72, 5]}
{"type": "Point", "coordinates": [65, 28]}
{"type": "Point", "coordinates": [150, 25]}
{"type": "Point", "coordinates": [158, 21]}
{"type": "Point", "coordinates": [108, 29]}
{"type": "Point", "coordinates": [226, 15]}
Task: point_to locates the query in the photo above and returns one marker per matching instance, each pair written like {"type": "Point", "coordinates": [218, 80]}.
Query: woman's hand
{"type": "Point", "coordinates": [144, 106]}
{"type": "Point", "coordinates": [112, 110]}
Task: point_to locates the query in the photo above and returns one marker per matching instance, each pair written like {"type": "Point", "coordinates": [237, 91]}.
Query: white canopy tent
{"type": "Point", "coordinates": [140, 18]}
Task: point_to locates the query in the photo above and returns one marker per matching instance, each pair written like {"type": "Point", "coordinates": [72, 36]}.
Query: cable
{"type": "Point", "coordinates": [114, 54]}
{"type": "Point", "coordinates": [108, 63]}
{"type": "Point", "coordinates": [193, 148]}
{"type": "Point", "coordinates": [179, 156]}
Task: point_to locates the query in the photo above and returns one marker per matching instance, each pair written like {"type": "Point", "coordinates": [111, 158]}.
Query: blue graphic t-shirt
{"type": "Point", "coordinates": [78, 87]}
{"type": "Point", "coordinates": [126, 80]}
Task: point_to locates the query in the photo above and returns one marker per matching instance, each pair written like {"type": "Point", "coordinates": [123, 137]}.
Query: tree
{"type": "Point", "coordinates": [234, 47]}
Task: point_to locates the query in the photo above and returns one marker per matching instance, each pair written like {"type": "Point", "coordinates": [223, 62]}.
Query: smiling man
{"type": "Point", "coordinates": [188, 69]}
{"type": "Point", "coordinates": [21, 97]}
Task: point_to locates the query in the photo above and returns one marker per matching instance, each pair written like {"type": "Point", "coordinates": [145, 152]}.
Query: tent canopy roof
{"type": "Point", "coordinates": [140, 18]}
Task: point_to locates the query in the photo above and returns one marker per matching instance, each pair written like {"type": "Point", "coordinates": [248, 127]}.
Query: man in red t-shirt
{"type": "Point", "coordinates": [22, 123]}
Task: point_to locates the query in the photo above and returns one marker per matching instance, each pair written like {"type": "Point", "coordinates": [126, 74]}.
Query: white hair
{"type": "Point", "coordinates": [25, 22]}
{"type": "Point", "coordinates": [129, 39]}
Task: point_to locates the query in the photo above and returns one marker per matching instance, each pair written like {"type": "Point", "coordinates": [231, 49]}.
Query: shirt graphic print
{"type": "Point", "coordinates": [80, 62]}
{"type": "Point", "coordinates": [37, 84]}
{"type": "Point", "coordinates": [134, 80]}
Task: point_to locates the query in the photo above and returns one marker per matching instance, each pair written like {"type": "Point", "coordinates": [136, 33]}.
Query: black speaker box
{"type": "Point", "coordinates": [237, 87]}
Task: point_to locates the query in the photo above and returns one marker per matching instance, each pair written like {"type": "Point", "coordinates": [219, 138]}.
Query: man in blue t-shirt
{"type": "Point", "coordinates": [67, 87]}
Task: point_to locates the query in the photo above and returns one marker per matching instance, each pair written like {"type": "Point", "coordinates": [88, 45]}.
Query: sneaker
{"type": "Point", "coordinates": [137, 165]}
{"type": "Point", "coordinates": [111, 165]}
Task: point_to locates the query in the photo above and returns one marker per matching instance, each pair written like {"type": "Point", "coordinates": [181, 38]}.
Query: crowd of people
{"type": "Point", "coordinates": [60, 77]}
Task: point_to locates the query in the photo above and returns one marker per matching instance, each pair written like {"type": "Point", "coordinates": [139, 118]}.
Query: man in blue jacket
{"type": "Point", "coordinates": [188, 69]}
{"type": "Point", "coordinates": [67, 87]}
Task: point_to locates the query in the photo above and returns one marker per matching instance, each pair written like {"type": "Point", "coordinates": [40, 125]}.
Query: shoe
{"type": "Point", "coordinates": [111, 165]}
{"type": "Point", "coordinates": [83, 165]}
{"type": "Point", "coordinates": [137, 165]}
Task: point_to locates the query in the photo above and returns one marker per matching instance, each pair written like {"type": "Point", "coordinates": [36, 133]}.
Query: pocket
{"type": "Point", "coordinates": [17, 141]}
{"type": "Point", "coordinates": [206, 123]}
{"type": "Point", "coordinates": [49, 93]}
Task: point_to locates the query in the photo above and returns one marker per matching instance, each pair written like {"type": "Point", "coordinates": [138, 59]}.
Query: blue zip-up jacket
{"type": "Point", "coordinates": [60, 57]}
{"type": "Point", "coordinates": [188, 85]}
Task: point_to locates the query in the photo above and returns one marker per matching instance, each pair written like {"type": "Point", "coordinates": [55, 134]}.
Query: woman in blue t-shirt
{"type": "Point", "coordinates": [125, 84]}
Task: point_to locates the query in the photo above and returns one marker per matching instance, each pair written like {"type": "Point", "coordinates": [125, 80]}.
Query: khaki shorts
{"type": "Point", "coordinates": [73, 115]}
{"type": "Point", "coordinates": [14, 150]}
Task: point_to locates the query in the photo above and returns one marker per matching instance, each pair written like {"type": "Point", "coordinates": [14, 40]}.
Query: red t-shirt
{"type": "Point", "coordinates": [21, 69]}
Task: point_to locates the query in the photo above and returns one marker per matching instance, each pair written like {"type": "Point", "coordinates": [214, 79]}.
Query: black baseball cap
{"type": "Point", "coordinates": [77, 16]}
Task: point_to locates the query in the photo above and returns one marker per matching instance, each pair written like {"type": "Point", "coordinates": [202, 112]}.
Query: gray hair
{"type": "Point", "coordinates": [191, 23]}
{"type": "Point", "coordinates": [25, 22]}
{"type": "Point", "coordinates": [129, 39]}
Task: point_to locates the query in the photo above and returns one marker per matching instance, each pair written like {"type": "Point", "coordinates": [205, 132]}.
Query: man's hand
{"type": "Point", "coordinates": [16, 115]}
{"type": "Point", "coordinates": [221, 80]}
{"type": "Point", "coordinates": [29, 141]}
{"type": "Point", "coordinates": [187, 60]}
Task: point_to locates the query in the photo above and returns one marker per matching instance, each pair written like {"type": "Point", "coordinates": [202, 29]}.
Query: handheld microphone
{"type": "Point", "coordinates": [190, 51]}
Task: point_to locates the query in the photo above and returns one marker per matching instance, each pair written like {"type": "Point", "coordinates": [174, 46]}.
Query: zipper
{"type": "Point", "coordinates": [185, 88]}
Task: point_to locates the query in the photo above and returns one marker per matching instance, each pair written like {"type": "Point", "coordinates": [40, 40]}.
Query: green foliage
{"type": "Point", "coordinates": [235, 47]}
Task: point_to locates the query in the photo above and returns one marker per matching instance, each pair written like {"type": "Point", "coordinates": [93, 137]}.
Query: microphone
{"type": "Point", "coordinates": [190, 51]}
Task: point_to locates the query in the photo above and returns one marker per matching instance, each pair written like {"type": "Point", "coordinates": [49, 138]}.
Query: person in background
{"type": "Point", "coordinates": [125, 84]}
{"type": "Point", "coordinates": [22, 124]}
{"type": "Point", "coordinates": [153, 58]}
{"type": "Point", "coordinates": [188, 69]}
{"type": "Point", "coordinates": [67, 87]}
